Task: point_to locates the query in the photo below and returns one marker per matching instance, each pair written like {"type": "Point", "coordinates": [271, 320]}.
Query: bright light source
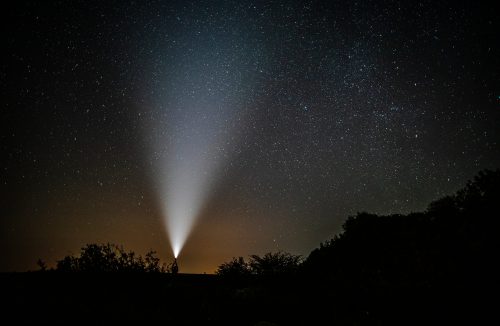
{"type": "Point", "coordinates": [190, 171]}
{"type": "Point", "coordinates": [192, 131]}
{"type": "Point", "coordinates": [177, 249]}
{"type": "Point", "coordinates": [189, 166]}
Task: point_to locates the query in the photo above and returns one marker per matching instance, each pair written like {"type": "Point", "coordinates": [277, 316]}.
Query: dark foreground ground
{"type": "Point", "coordinates": [184, 299]}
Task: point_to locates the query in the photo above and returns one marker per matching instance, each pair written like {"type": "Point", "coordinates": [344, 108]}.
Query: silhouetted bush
{"type": "Point", "coordinates": [278, 263]}
{"type": "Point", "coordinates": [110, 258]}
{"type": "Point", "coordinates": [235, 268]}
{"type": "Point", "coordinates": [274, 263]}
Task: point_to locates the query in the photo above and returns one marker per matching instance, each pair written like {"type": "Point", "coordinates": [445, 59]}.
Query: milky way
{"type": "Point", "coordinates": [292, 115]}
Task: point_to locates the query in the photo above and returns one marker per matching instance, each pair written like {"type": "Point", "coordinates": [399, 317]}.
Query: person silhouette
{"type": "Point", "coordinates": [175, 267]}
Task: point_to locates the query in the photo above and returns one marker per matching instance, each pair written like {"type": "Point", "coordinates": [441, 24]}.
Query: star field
{"type": "Point", "coordinates": [316, 110]}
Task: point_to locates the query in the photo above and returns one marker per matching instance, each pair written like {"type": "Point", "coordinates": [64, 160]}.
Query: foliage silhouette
{"type": "Point", "coordinates": [278, 263]}
{"type": "Point", "coordinates": [110, 258]}
{"type": "Point", "coordinates": [381, 269]}
{"type": "Point", "coordinates": [415, 238]}
{"type": "Point", "coordinates": [235, 268]}
{"type": "Point", "coordinates": [446, 250]}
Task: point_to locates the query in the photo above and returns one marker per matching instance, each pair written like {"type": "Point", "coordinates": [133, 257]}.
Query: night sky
{"type": "Point", "coordinates": [273, 121]}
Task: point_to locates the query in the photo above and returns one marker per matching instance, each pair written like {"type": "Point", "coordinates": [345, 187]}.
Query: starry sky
{"type": "Point", "coordinates": [304, 112]}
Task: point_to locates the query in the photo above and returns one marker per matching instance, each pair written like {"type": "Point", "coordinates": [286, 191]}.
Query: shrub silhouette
{"type": "Point", "coordinates": [274, 263]}
{"type": "Point", "coordinates": [235, 268]}
{"type": "Point", "coordinates": [110, 258]}
{"type": "Point", "coordinates": [278, 263]}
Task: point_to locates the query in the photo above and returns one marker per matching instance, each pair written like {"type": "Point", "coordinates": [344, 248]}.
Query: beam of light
{"type": "Point", "coordinates": [201, 83]}
{"type": "Point", "coordinates": [193, 132]}
{"type": "Point", "coordinates": [191, 167]}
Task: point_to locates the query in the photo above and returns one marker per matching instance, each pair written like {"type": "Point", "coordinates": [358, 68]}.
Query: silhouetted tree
{"type": "Point", "coordinates": [68, 264]}
{"type": "Point", "coordinates": [278, 263]}
{"type": "Point", "coordinates": [449, 248]}
{"type": "Point", "coordinates": [110, 258]}
{"type": "Point", "coordinates": [274, 263]}
{"type": "Point", "coordinates": [235, 268]}
{"type": "Point", "coordinates": [422, 238]}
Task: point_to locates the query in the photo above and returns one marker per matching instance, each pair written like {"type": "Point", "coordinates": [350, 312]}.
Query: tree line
{"type": "Point", "coordinates": [455, 235]}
